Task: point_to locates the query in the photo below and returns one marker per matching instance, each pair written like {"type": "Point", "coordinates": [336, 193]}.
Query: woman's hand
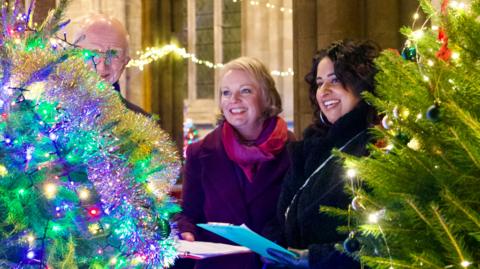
{"type": "Point", "coordinates": [300, 261]}
{"type": "Point", "coordinates": [187, 236]}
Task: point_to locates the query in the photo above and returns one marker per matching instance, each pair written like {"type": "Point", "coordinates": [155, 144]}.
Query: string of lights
{"type": "Point", "coordinates": [268, 5]}
{"type": "Point", "coordinates": [155, 53]}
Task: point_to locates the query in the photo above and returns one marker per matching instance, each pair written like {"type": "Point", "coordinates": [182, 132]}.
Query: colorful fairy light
{"type": "Point", "coordinates": [50, 190]}
{"type": "Point", "coordinates": [83, 194]}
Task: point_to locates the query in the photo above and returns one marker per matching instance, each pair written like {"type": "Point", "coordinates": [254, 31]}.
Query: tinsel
{"type": "Point", "coordinates": [83, 180]}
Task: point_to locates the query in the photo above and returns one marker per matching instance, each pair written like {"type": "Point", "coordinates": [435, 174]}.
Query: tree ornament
{"type": "Point", "coordinates": [357, 204]}
{"type": "Point", "coordinates": [164, 227]}
{"type": "Point", "coordinates": [444, 53]}
{"type": "Point", "coordinates": [351, 244]}
{"type": "Point", "coordinates": [395, 112]}
{"type": "Point", "coordinates": [433, 113]}
{"type": "Point", "coordinates": [402, 138]}
{"type": "Point", "coordinates": [409, 53]}
{"type": "Point", "coordinates": [386, 122]}
{"type": "Point", "coordinates": [401, 113]}
{"type": "Point", "coordinates": [414, 144]}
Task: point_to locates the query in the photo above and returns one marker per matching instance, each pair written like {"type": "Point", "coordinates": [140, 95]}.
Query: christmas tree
{"type": "Point", "coordinates": [415, 199]}
{"type": "Point", "coordinates": [190, 135]}
{"type": "Point", "coordinates": [83, 181]}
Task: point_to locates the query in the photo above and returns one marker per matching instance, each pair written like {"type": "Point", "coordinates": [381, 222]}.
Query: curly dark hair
{"type": "Point", "coordinates": [354, 66]}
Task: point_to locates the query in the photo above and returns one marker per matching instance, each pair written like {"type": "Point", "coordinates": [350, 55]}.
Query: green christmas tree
{"type": "Point", "coordinates": [419, 201]}
{"type": "Point", "coordinates": [83, 181]}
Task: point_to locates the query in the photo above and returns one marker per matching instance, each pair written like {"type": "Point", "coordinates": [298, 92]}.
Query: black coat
{"type": "Point", "coordinates": [305, 227]}
{"type": "Point", "coordinates": [128, 104]}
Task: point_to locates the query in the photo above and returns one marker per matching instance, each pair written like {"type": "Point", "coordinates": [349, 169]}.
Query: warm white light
{"type": "Point", "coordinates": [465, 264]}
{"type": "Point", "coordinates": [435, 27]}
{"type": "Point", "coordinates": [113, 261]}
{"type": "Point", "coordinates": [30, 238]}
{"type": "Point", "coordinates": [419, 115]}
{"type": "Point", "coordinates": [425, 78]}
{"type": "Point", "coordinates": [430, 63]}
{"type": "Point", "coordinates": [373, 218]}
{"type": "Point", "coordinates": [84, 194]}
{"type": "Point", "coordinates": [50, 190]}
{"type": "Point", "coordinates": [351, 173]}
{"type": "Point", "coordinates": [455, 55]}
{"type": "Point", "coordinates": [414, 144]}
{"type": "Point", "coordinates": [417, 34]}
{"type": "Point", "coordinates": [389, 147]}
{"type": "Point", "coordinates": [416, 16]}
{"type": "Point", "coordinates": [457, 5]}
{"type": "Point", "coordinates": [376, 216]}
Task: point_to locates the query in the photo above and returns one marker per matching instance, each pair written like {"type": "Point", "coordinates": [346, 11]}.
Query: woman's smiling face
{"type": "Point", "coordinates": [241, 102]}
{"type": "Point", "coordinates": [333, 98]}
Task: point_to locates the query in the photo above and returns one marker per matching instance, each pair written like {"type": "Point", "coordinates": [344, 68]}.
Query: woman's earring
{"type": "Point", "coordinates": [322, 119]}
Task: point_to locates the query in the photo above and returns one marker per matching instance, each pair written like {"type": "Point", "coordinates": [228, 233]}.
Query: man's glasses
{"type": "Point", "coordinates": [109, 56]}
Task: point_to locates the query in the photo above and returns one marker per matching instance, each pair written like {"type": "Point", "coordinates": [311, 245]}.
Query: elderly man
{"type": "Point", "coordinates": [108, 38]}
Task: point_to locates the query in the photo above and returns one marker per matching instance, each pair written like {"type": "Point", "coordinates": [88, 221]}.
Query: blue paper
{"type": "Point", "coordinates": [242, 235]}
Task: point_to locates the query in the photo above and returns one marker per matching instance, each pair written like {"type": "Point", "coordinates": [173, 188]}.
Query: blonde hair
{"type": "Point", "coordinates": [260, 74]}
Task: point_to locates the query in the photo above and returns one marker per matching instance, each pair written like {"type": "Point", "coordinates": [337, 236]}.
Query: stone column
{"type": "Point", "coordinates": [163, 79]}
{"type": "Point", "coordinates": [304, 47]}
{"type": "Point", "coordinates": [267, 35]}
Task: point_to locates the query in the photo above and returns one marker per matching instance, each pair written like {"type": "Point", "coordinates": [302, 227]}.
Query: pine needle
{"type": "Point", "coordinates": [445, 227]}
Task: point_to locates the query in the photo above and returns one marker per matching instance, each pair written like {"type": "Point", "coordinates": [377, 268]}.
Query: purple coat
{"type": "Point", "coordinates": [215, 189]}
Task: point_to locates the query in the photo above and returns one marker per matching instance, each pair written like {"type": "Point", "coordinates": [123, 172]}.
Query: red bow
{"type": "Point", "coordinates": [444, 52]}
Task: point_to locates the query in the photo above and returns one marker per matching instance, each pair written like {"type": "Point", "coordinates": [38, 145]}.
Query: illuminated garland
{"type": "Point", "coordinates": [269, 6]}
{"type": "Point", "coordinates": [155, 53]}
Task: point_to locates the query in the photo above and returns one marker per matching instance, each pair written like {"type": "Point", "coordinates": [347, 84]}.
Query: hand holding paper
{"type": "Point", "coordinates": [298, 261]}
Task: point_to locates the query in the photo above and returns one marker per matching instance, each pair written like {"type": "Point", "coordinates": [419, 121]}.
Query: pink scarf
{"type": "Point", "coordinates": [249, 157]}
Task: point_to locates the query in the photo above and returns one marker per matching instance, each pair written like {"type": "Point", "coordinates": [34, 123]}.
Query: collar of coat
{"type": "Point", "coordinates": [317, 146]}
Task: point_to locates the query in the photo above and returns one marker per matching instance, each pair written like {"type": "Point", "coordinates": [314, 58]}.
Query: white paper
{"type": "Point", "coordinates": [202, 250]}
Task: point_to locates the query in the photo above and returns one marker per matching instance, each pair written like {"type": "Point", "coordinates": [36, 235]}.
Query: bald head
{"type": "Point", "coordinates": [109, 38]}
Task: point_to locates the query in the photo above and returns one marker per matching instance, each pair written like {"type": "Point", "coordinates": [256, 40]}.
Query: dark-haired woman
{"type": "Point", "coordinates": [339, 75]}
